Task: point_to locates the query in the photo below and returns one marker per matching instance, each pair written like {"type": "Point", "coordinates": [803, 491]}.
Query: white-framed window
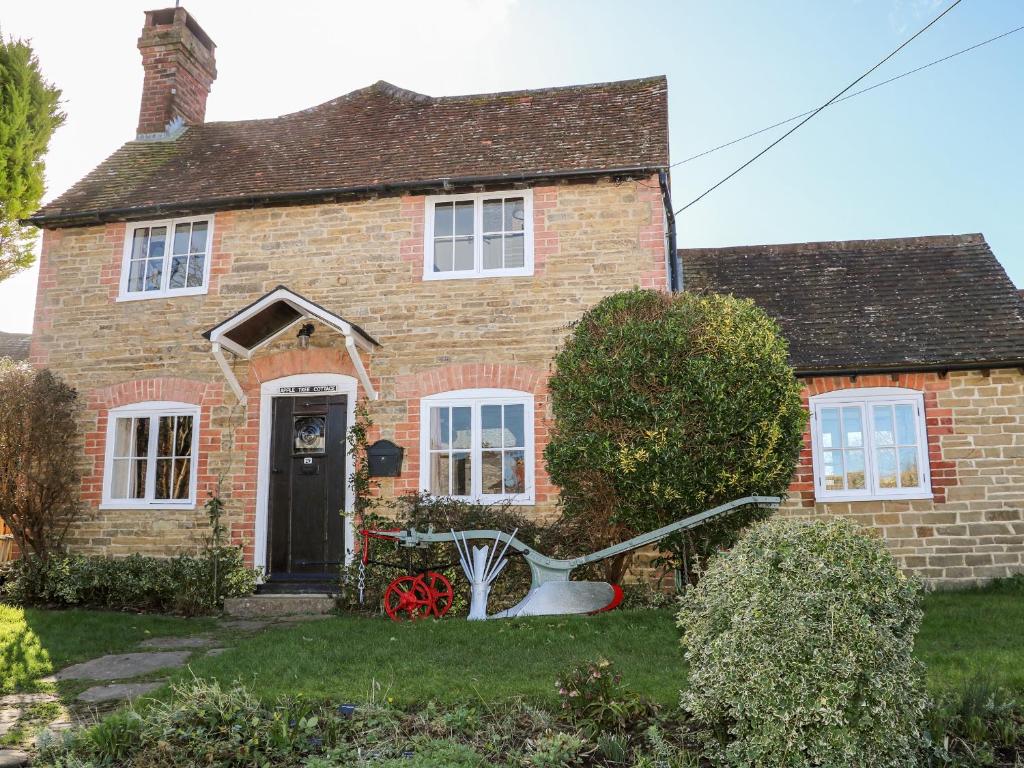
{"type": "Point", "coordinates": [870, 444]}
{"type": "Point", "coordinates": [477, 444]}
{"type": "Point", "coordinates": [151, 456]}
{"type": "Point", "coordinates": [166, 258]}
{"type": "Point", "coordinates": [485, 234]}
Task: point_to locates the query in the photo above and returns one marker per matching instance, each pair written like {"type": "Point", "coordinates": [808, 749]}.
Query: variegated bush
{"type": "Point", "coordinates": [800, 645]}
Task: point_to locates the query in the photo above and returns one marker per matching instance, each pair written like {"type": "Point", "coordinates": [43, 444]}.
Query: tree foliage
{"type": "Point", "coordinates": [667, 405]}
{"type": "Point", "coordinates": [800, 646]}
{"type": "Point", "coordinates": [39, 444]}
{"type": "Point", "coordinates": [29, 114]}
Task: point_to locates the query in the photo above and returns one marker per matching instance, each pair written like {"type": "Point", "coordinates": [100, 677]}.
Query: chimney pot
{"type": "Point", "coordinates": [180, 66]}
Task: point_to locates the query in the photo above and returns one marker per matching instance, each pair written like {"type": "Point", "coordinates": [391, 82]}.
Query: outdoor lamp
{"type": "Point", "coordinates": [304, 333]}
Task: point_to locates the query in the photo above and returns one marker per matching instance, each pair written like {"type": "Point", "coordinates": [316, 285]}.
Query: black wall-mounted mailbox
{"type": "Point", "coordinates": [385, 459]}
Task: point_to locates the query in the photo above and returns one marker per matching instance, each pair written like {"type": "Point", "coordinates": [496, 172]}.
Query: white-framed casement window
{"type": "Point", "coordinates": [870, 444]}
{"type": "Point", "coordinates": [151, 455]}
{"type": "Point", "coordinates": [166, 258]}
{"type": "Point", "coordinates": [477, 444]}
{"type": "Point", "coordinates": [485, 234]}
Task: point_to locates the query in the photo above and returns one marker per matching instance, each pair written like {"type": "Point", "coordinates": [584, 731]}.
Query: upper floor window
{"type": "Point", "coordinates": [151, 455]}
{"type": "Point", "coordinates": [488, 234]}
{"type": "Point", "coordinates": [869, 444]}
{"type": "Point", "coordinates": [166, 258]}
{"type": "Point", "coordinates": [477, 444]}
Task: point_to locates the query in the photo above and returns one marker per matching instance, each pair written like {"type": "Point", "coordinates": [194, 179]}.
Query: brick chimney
{"type": "Point", "coordinates": [180, 66]}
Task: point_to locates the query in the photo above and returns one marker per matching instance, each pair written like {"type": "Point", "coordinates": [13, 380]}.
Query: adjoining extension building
{"type": "Point", "coordinates": [224, 294]}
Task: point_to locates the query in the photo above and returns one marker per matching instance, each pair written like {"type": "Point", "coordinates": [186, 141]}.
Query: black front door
{"type": "Point", "coordinates": [307, 485]}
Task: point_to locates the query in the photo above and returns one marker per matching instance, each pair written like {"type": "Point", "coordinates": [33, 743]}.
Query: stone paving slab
{"type": "Point", "coordinates": [14, 705]}
{"type": "Point", "coordinates": [245, 625]}
{"type": "Point", "coordinates": [13, 758]}
{"type": "Point", "coordinates": [117, 692]}
{"type": "Point", "coordinates": [120, 666]}
{"type": "Point", "coordinates": [215, 651]}
{"type": "Point", "coordinates": [172, 643]}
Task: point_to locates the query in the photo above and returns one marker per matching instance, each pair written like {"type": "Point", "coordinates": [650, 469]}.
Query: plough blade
{"type": "Point", "coordinates": [563, 597]}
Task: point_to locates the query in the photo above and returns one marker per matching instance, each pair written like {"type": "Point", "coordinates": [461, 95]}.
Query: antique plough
{"type": "Point", "coordinates": [426, 592]}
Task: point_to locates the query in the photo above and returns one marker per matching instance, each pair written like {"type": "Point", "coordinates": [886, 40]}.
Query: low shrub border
{"type": "Point", "coordinates": [187, 585]}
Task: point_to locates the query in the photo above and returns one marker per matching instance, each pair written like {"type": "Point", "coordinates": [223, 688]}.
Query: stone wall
{"type": "Point", "coordinates": [361, 260]}
{"type": "Point", "coordinates": [973, 527]}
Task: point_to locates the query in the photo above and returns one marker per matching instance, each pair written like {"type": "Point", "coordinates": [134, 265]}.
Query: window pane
{"type": "Point", "coordinates": [853, 428]}
{"type": "Point", "coordinates": [157, 236]}
{"type": "Point", "coordinates": [855, 478]}
{"type": "Point", "coordinates": [154, 274]}
{"type": "Point", "coordinates": [140, 241]}
{"type": "Point", "coordinates": [886, 468]}
{"type": "Point", "coordinates": [136, 274]}
{"type": "Point", "coordinates": [464, 218]}
{"type": "Point", "coordinates": [439, 428]}
{"type": "Point", "coordinates": [196, 267]}
{"type": "Point", "coordinates": [515, 214]}
{"type": "Point", "coordinates": [173, 479]}
{"type": "Point", "coordinates": [182, 485]}
{"type": "Point", "coordinates": [908, 468]}
{"type": "Point", "coordinates": [181, 237]}
{"type": "Point", "coordinates": [833, 461]}
{"type": "Point", "coordinates": [514, 433]}
{"type": "Point", "coordinates": [443, 219]}
{"type": "Point", "coordinates": [515, 251]}
{"type": "Point", "coordinates": [883, 425]}
{"type": "Point", "coordinates": [463, 254]}
{"type": "Point", "coordinates": [490, 426]}
{"type": "Point", "coordinates": [515, 472]}
{"type": "Point", "coordinates": [830, 434]}
{"type": "Point", "coordinates": [199, 230]}
{"type": "Point", "coordinates": [164, 468]}
{"type": "Point", "coordinates": [120, 478]}
{"type": "Point", "coordinates": [179, 265]}
{"type": "Point", "coordinates": [442, 255]}
{"type": "Point", "coordinates": [183, 442]}
{"type": "Point", "coordinates": [439, 464]}
{"type": "Point", "coordinates": [165, 437]}
{"type": "Point", "coordinates": [123, 437]}
{"type": "Point", "coordinates": [141, 437]}
{"type": "Point", "coordinates": [491, 469]}
{"type": "Point", "coordinates": [906, 434]}
{"type": "Point", "coordinates": [461, 427]}
{"type": "Point", "coordinates": [492, 252]}
{"type": "Point", "coordinates": [492, 216]}
{"type": "Point", "coordinates": [461, 474]}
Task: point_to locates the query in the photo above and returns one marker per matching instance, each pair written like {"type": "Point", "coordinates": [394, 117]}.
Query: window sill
{"type": "Point", "coordinates": [849, 498]}
{"type": "Point", "coordinates": [477, 275]}
{"type": "Point", "coordinates": [162, 294]}
{"type": "Point", "coordinates": [517, 501]}
{"type": "Point", "coordinates": [189, 506]}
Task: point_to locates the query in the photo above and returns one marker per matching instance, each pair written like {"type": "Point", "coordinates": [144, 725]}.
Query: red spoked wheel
{"type": "Point", "coordinates": [407, 597]}
{"type": "Point", "coordinates": [441, 593]}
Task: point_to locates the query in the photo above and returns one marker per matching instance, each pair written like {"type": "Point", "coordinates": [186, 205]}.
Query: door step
{"type": "Point", "coordinates": [256, 606]}
{"type": "Point", "coordinates": [286, 586]}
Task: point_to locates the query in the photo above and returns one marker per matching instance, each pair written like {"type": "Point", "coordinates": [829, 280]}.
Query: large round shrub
{"type": "Point", "coordinates": [799, 642]}
{"type": "Point", "coordinates": [666, 405]}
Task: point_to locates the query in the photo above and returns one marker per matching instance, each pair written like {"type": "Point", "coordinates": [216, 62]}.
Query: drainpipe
{"type": "Point", "coordinates": [675, 268]}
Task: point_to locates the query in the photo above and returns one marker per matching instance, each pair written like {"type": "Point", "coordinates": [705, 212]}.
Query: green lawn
{"type": "Point", "coordinates": [356, 658]}
{"type": "Point", "coordinates": [34, 643]}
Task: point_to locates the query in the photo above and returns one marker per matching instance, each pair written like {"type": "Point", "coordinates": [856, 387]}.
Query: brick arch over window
{"type": "Point", "coordinates": [938, 421]}
{"type": "Point", "coordinates": [98, 403]}
{"type": "Point", "coordinates": [411, 388]}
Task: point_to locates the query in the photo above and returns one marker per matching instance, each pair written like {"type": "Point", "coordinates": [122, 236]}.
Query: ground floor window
{"type": "Point", "coordinates": [477, 444]}
{"type": "Point", "coordinates": [869, 444]}
{"type": "Point", "coordinates": [151, 455]}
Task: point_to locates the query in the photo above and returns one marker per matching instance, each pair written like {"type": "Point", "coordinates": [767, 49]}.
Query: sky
{"type": "Point", "coordinates": [938, 152]}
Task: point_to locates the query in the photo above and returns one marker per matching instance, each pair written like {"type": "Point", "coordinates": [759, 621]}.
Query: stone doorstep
{"type": "Point", "coordinates": [259, 606]}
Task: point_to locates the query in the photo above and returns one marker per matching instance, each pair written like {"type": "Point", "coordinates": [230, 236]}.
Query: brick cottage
{"type": "Point", "coordinates": [223, 294]}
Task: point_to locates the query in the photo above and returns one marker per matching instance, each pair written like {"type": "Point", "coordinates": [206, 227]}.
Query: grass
{"type": "Point", "coordinates": [34, 643]}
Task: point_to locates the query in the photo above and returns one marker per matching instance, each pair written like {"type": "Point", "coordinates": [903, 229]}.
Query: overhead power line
{"type": "Point", "coordinates": [813, 113]}
{"type": "Point", "coordinates": [847, 96]}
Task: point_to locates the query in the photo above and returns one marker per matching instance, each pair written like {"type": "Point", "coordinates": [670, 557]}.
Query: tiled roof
{"type": "Point", "coordinates": [379, 135]}
{"type": "Point", "coordinates": [903, 303]}
{"type": "Point", "coordinates": [14, 345]}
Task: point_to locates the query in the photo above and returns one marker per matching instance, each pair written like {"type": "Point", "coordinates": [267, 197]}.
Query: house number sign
{"type": "Point", "coordinates": [308, 389]}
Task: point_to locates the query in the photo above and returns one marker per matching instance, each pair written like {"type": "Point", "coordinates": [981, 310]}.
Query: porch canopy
{"type": "Point", "coordinates": [267, 318]}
